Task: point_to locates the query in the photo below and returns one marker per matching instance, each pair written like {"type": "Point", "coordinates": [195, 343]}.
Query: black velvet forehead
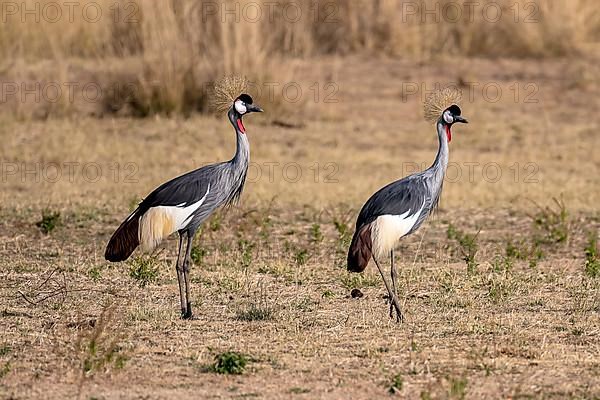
{"type": "Point", "coordinates": [245, 98]}
{"type": "Point", "coordinates": [454, 109]}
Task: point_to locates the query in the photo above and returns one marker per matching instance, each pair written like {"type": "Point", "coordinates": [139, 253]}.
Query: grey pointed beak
{"type": "Point", "coordinates": [254, 108]}
{"type": "Point", "coordinates": [460, 119]}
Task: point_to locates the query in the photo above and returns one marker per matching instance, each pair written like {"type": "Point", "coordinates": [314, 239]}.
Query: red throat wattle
{"type": "Point", "coordinates": [240, 125]}
{"type": "Point", "coordinates": [448, 133]}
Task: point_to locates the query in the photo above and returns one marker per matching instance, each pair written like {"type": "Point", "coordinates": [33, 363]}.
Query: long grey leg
{"type": "Point", "coordinates": [392, 295]}
{"type": "Point", "coordinates": [186, 275]}
{"type": "Point", "coordinates": [180, 278]}
{"type": "Point", "coordinates": [394, 275]}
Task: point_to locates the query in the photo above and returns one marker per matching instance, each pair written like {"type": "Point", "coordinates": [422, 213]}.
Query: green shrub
{"type": "Point", "coordinates": [144, 269]}
{"type": "Point", "coordinates": [230, 363]}
{"type": "Point", "coordinates": [197, 254]}
{"type": "Point", "coordinates": [552, 223]}
{"type": "Point", "coordinates": [50, 220]}
{"type": "Point", "coordinates": [396, 384]}
{"type": "Point", "coordinates": [468, 246]}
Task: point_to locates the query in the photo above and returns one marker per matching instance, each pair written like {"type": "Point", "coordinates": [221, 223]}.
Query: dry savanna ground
{"type": "Point", "coordinates": [501, 289]}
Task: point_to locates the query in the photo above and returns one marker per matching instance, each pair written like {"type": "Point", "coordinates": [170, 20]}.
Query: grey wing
{"type": "Point", "coordinates": [408, 195]}
{"type": "Point", "coordinates": [185, 189]}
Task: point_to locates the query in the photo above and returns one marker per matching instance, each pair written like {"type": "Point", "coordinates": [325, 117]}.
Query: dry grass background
{"type": "Point", "coordinates": [268, 276]}
{"type": "Point", "coordinates": [170, 51]}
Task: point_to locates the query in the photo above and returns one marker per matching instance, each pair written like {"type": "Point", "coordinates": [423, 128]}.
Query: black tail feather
{"type": "Point", "coordinates": [360, 250]}
{"type": "Point", "coordinates": [124, 241]}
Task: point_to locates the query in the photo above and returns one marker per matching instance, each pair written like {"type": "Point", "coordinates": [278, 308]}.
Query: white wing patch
{"type": "Point", "coordinates": [182, 214]}
{"type": "Point", "coordinates": [388, 229]}
{"type": "Point", "coordinates": [159, 222]}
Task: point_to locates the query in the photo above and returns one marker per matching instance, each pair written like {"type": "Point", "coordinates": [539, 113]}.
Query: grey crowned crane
{"type": "Point", "coordinates": [184, 203]}
{"type": "Point", "coordinates": [400, 208]}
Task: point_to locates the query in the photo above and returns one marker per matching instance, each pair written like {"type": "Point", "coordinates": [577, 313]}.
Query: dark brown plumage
{"type": "Point", "coordinates": [360, 249]}
{"type": "Point", "coordinates": [124, 241]}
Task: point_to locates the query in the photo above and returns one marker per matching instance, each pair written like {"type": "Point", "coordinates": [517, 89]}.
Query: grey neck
{"type": "Point", "coordinates": [438, 169]}
{"type": "Point", "coordinates": [242, 153]}
{"type": "Point", "coordinates": [441, 161]}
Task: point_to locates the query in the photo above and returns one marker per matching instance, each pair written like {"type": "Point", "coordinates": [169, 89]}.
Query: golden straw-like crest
{"type": "Point", "coordinates": [226, 90]}
{"type": "Point", "coordinates": [438, 101]}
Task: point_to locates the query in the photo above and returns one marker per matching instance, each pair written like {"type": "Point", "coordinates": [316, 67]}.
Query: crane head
{"type": "Point", "coordinates": [243, 105]}
{"type": "Point", "coordinates": [452, 115]}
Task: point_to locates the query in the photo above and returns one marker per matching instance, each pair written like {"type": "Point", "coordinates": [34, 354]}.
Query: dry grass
{"type": "Point", "coordinates": [269, 282]}
{"type": "Point", "coordinates": [190, 29]}
{"type": "Point", "coordinates": [495, 333]}
{"type": "Point", "coordinates": [373, 135]}
{"type": "Point", "coordinates": [160, 58]}
{"type": "Point", "coordinates": [505, 304]}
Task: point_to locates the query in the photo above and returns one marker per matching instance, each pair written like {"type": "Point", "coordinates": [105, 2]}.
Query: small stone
{"type": "Point", "coordinates": [356, 294]}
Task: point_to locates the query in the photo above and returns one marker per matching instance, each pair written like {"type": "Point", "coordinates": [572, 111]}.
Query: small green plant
{"type": "Point", "coordinates": [500, 289]}
{"type": "Point", "coordinates": [316, 236]}
{"type": "Point", "coordinates": [514, 252]}
{"type": "Point", "coordinates": [144, 269]}
{"type": "Point", "coordinates": [259, 310]}
{"type": "Point", "coordinates": [95, 273]}
{"type": "Point", "coordinates": [592, 260]}
{"type": "Point", "coordinates": [5, 369]}
{"type": "Point", "coordinates": [265, 223]}
{"type": "Point", "coordinates": [425, 395]}
{"type": "Point", "coordinates": [343, 232]}
{"type": "Point", "coordinates": [307, 304]}
{"type": "Point", "coordinates": [246, 249]}
{"type": "Point", "coordinates": [341, 219]}
{"type": "Point", "coordinates": [299, 390]}
{"type": "Point", "coordinates": [255, 312]}
{"type": "Point", "coordinates": [502, 263]}
{"type": "Point", "coordinates": [352, 281]}
{"type": "Point", "coordinates": [301, 257]}
{"type": "Point", "coordinates": [468, 246]}
{"type": "Point", "coordinates": [5, 350]}
{"type": "Point", "coordinates": [328, 294]}
{"type": "Point", "coordinates": [522, 250]}
{"type": "Point", "coordinates": [396, 384]}
{"type": "Point", "coordinates": [99, 347]}
{"type": "Point", "coordinates": [577, 331]}
{"type": "Point", "coordinates": [230, 363]}
{"type": "Point", "coordinates": [216, 222]}
{"type": "Point", "coordinates": [535, 256]}
{"type": "Point", "coordinates": [273, 269]}
{"type": "Point", "coordinates": [552, 223]}
{"type": "Point", "coordinates": [458, 388]}
{"type": "Point", "coordinates": [197, 254]}
{"type": "Point", "coordinates": [50, 220]}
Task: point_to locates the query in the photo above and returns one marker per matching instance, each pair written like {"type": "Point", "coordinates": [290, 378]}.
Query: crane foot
{"type": "Point", "coordinates": [187, 313]}
{"type": "Point", "coordinates": [394, 307]}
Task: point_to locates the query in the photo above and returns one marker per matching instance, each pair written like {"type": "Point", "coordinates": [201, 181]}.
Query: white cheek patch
{"type": "Point", "coordinates": [240, 107]}
{"type": "Point", "coordinates": [448, 117]}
